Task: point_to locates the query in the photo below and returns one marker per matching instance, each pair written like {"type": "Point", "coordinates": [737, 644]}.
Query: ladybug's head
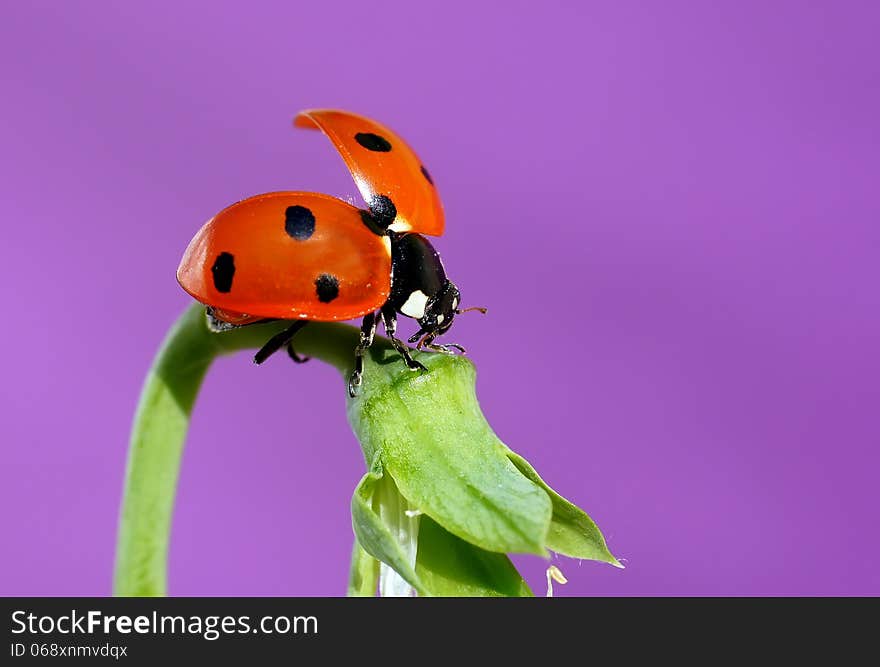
{"type": "Point", "coordinates": [440, 310]}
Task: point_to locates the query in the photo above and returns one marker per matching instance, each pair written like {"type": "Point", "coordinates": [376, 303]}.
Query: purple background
{"type": "Point", "coordinates": [671, 210]}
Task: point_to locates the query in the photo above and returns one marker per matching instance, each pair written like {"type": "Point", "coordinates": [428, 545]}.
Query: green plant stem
{"type": "Point", "coordinates": [156, 445]}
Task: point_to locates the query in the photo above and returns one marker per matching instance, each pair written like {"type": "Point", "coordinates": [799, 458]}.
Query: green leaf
{"type": "Point", "coordinates": [572, 532]}
{"type": "Point", "coordinates": [364, 573]}
{"type": "Point", "coordinates": [449, 566]}
{"type": "Point", "coordinates": [374, 535]}
{"type": "Point", "coordinates": [433, 439]}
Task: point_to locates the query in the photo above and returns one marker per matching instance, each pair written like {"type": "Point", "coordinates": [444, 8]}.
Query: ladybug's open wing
{"type": "Point", "coordinates": [393, 181]}
{"type": "Point", "coordinates": [288, 255]}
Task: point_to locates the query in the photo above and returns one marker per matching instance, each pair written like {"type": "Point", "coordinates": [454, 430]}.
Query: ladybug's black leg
{"type": "Point", "coordinates": [278, 341]}
{"type": "Point", "coordinates": [389, 319]}
{"type": "Point", "coordinates": [368, 332]}
{"type": "Point", "coordinates": [446, 348]}
{"type": "Point", "coordinates": [294, 356]}
{"type": "Point", "coordinates": [428, 343]}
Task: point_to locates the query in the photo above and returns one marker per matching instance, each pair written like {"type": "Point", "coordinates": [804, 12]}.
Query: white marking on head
{"type": "Point", "coordinates": [415, 305]}
{"type": "Point", "coordinates": [455, 303]}
{"type": "Point", "coordinates": [440, 319]}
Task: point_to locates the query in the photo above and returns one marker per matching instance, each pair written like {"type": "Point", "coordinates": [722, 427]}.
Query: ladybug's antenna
{"type": "Point", "coordinates": [467, 310]}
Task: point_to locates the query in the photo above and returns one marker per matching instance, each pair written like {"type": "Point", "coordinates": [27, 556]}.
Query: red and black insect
{"type": "Point", "coordinates": [307, 257]}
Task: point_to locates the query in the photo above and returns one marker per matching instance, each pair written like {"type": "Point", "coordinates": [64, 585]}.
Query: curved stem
{"type": "Point", "coordinates": [160, 426]}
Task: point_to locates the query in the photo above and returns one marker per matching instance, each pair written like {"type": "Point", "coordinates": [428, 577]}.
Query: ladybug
{"type": "Point", "coordinates": [310, 257]}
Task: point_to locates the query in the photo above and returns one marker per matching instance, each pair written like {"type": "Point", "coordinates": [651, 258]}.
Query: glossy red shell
{"type": "Point", "coordinates": [249, 263]}
{"type": "Point", "coordinates": [382, 164]}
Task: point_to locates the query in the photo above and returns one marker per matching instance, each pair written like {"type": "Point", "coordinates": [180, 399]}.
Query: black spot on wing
{"type": "Point", "coordinates": [383, 210]}
{"type": "Point", "coordinates": [223, 271]}
{"type": "Point", "coordinates": [326, 287]}
{"type": "Point", "coordinates": [299, 222]}
{"type": "Point", "coordinates": [426, 175]}
{"type": "Point", "coordinates": [371, 224]}
{"type": "Point", "coordinates": [373, 142]}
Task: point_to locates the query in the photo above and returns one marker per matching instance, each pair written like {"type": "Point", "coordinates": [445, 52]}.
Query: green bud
{"type": "Point", "coordinates": [426, 431]}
